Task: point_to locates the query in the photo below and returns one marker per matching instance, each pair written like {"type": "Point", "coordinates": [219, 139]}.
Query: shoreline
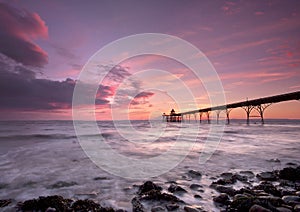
{"type": "Point", "coordinates": [277, 190]}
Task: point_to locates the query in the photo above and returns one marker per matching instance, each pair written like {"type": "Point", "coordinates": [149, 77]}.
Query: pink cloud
{"type": "Point", "coordinates": [230, 8]}
{"type": "Point", "coordinates": [18, 29]}
{"type": "Point", "coordinates": [258, 13]}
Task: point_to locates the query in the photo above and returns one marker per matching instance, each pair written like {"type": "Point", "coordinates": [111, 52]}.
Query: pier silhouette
{"type": "Point", "coordinates": [260, 105]}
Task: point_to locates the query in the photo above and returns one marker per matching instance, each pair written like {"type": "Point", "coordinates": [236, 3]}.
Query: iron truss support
{"type": "Point", "coordinates": [248, 110]}
{"type": "Point", "coordinates": [260, 109]}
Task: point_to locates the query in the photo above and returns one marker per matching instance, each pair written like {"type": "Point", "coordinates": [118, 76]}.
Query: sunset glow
{"type": "Point", "coordinates": [254, 47]}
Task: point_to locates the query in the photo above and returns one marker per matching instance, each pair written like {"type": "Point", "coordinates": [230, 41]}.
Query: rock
{"type": "Point", "coordinates": [227, 178]}
{"type": "Point", "coordinates": [291, 164]}
{"type": "Point", "coordinates": [137, 205]}
{"type": "Point", "coordinates": [245, 191]}
{"type": "Point", "coordinates": [269, 188]}
{"type": "Point", "coordinates": [50, 209]}
{"type": "Point", "coordinates": [242, 178]}
{"type": "Point", "coordinates": [222, 199]}
{"type": "Point", "coordinates": [291, 200]}
{"type": "Point", "coordinates": [157, 209]}
{"type": "Point", "coordinates": [89, 205]}
{"type": "Point", "coordinates": [298, 193]}
{"type": "Point", "coordinates": [242, 202]}
{"type": "Point", "coordinates": [269, 200]}
{"type": "Point", "coordinates": [190, 209]}
{"type": "Point", "coordinates": [42, 203]}
{"type": "Point", "coordinates": [100, 178]}
{"type": "Point", "coordinates": [61, 184]}
{"type": "Point", "coordinates": [297, 208]}
{"type": "Point", "coordinates": [267, 176]}
{"type": "Point", "coordinates": [227, 175]}
{"type": "Point", "coordinates": [258, 208]}
{"type": "Point", "coordinates": [195, 187]}
{"type": "Point", "coordinates": [176, 189]}
{"type": "Point", "coordinates": [4, 202]}
{"type": "Point", "coordinates": [275, 160]}
{"type": "Point", "coordinates": [290, 173]}
{"type": "Point", "coordinates": [249, 174]}
{"type": "Point", "coordinates": [197, 196]}
{"type": "Point", "coordinates": [282, 209]}
{"type": "Point", "coordinates": [172, 207]}
{"type": "Point", "coordinates": [194, 174]}
{"type": "Point", "coordinates": [148, 186]}
{"type": "Point", "coordinates": [157, 195]}
{"type": "Point", "coordinates": [224, 189]}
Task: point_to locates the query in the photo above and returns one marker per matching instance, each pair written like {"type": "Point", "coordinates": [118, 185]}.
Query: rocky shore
{"type": "Point", "coordinates": [276, 191]}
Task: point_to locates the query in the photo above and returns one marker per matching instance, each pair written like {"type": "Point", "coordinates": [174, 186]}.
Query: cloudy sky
{"type": "Point", "coordinates": [254, 47]}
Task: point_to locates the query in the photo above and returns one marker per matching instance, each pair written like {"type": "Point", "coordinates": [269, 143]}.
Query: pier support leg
{"type": "Point", "coordinates": [200, 117]}
{"type": "Point", "coordinates": [208, 120]}
{"type": "Point", "coordinates": [261, 109]}
{"type": "Point", "coordinates": [227, 115]}
{"type": "Point", "coordinates": [218, 115]}
{"type": "Point", "coordinates": [248, 110]}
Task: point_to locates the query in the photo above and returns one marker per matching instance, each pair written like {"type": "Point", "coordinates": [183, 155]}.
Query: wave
{"type": "Point", "coordinates": [39, 136]}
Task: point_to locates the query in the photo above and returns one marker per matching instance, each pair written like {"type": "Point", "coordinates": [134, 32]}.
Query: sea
{"type": "Point", "coordinates": [42, 158]}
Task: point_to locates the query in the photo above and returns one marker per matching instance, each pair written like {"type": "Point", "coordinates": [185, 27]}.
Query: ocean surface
{"type": "Point", "coordinates": [40, 158]}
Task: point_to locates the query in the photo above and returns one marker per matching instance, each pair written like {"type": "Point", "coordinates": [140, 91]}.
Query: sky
{"type": "Point", "coordinates": [254, 47]}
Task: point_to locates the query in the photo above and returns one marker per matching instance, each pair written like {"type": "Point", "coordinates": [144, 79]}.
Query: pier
{"type": "Point", "coordinates": [260, 105]}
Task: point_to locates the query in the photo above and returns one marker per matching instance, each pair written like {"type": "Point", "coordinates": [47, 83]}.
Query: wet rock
{"type": "Point", "coordinates": [291, 164]}
{"type": "Point", "coordinates": [4, 202]}
{"type": "Point", "coordinates": [195, 187]}
{"type": "Point", "coordinates": [197, 196]}
{"type": "Point", "coordinates": [157, 195]}
{"type": "Point", "coordinates": [148, 186]}
{"type": "Point", "coordinates": [290, 173]}
{"type": "Point", "coordinates": [227, 178]}
{"type": "Point", "coordinates": [176, 189]}
{"type": "Point", "coordinates": [172, 207]}
{"type": "Point", "coordinates": [222, 199]}
{"type": "Point", "coordinates": [137, 205]}
{"type": "Point", "coordinates": [249, 174]}
{"type": "Point", "coordinates": [269, 200]}
{"type": "Point", "coordinates": [242, 178]}
{"type": "Point", "coordinates": [245, 191]}
{"type": "Point", "coordinates": [50, 209]}
{"type": "Point", "coordinates": [291, 200]}
{"type": "Point", "coordinates": [42, 203]}
{"type": "Point", "coordinates": [297, 208]}
{"type": "Point", "coordinates": [227, 175]}
{"type": "Point", "coordinates": [258, 208]}
{"type": "Point", "coordinates": [194, 174]}
{"type": "Point", "coordinates": [89, 205]}
{"type": "Point", "coordinates": [225, 189]}
{"type": "Point", "coordinates": [101, 178]}
{"type": "Point", "coordinates": [282, 209]}
{"type": "Point", "coordinates": [157, 209]}
{"type": "Point", "coordinates": [267, 176]}
{"type": "Point", "coordinates": [191, 209]}
{"type": "Point", "coordinates": [268, 187]}
{"type": "Point", "coordinates": [61, 184]}
{"type": "Point", "coordinates": [275, 160]}
{"type": "Point", "coordinates": [242, 202]}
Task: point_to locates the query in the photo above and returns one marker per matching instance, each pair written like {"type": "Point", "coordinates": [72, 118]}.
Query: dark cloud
{"type": "Point", "coordinates": [144, 94]}
{"type": "Point", "coordinates": [17, 30]}
{"type": "Point", "coordinates": [21, 89]}
{"type": "Point", "coordinates": [142, 98]}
